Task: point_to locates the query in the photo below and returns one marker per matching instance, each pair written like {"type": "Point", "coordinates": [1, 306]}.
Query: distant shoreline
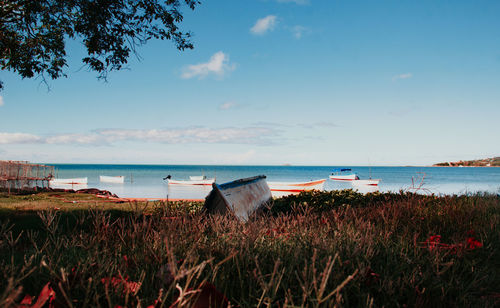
{"type": "Point", "coordinates": [436, 165]}
{"type": "Point", "coordinates": [486, 162]}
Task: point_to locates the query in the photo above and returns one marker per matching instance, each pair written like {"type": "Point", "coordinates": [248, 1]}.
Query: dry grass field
{"type": "Point", "coordinates": [317, 249]}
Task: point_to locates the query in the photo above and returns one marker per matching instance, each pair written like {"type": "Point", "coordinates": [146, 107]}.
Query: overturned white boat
{"type": "Point", "coordinates": [119, 179]}
{"type": "Point", "coordinates": [241, 197]}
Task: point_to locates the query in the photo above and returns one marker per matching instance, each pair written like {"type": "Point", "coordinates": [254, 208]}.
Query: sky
{"type": "Point", "coordinates": [272, 82]}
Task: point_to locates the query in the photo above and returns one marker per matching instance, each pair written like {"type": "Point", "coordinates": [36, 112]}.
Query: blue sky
{"type": "Point", "coordinates": [304, 82]}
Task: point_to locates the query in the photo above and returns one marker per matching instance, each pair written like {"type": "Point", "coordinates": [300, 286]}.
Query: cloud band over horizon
{"type": "Point", "coordinates": [229, 135]}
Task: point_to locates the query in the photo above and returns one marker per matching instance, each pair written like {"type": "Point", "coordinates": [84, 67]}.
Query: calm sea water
{"type": "Point", "coordinates": [146, 181]}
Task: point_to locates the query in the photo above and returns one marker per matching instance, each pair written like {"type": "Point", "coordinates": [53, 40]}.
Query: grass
{"type": "Point", "coordinates": [315, 249]}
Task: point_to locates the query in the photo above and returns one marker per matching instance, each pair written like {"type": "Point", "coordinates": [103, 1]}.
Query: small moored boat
{"type": "Point", "coordinates": [112, 179]}
{"type": "Point", "coordinates": [193, 180]}
{"type": "Point", "coordinates": [369, 182]}
{"type": "Point", "coordinates": [296, 187]}
{"type": "Point", "coordinates": [73, 181]}
{"type": "Point", "coordinates": [343, 174]}
{"type": "Point", "coordinates": [241, 197]}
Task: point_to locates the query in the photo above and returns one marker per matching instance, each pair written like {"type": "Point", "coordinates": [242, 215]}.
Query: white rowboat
{"type": "Point", "coordinates": [74, 181]}
{"type": "Point", "coordinates": [191, 182]}
{"type": "Point", "coordinates": [112, 179]}
{"type": "Point", "coordinates": [369, 182]}
{"type": "Point", "coordinates": [295, 187]}
{"type": "Point", "coordinates": [347, 177]}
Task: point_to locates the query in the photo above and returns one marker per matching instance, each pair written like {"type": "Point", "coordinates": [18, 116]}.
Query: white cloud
{"type": "Point", "coordinates": [271, 124]}
{"type": "Point", "coordinates": [247, 135]}
{"type": "Point", "coordinates": [218, 65]}
{"type": "Point", "coordinates": [1, 100]}
{"type": "Point", "coordinates": [75, 139]}
{"type": "Point", "coordinates": [227, 105]}
{"type": "Point", "coordinates": [19, 138]}
{"type": "Point", "coordinates": [264, 25]}
{"type": "Point", "coordinates": [231, 135]}
{"type": "Point", "coordinates": [298, 31]}
{"type": "Point", "coordinates": [301, 2]}
{"type": "Point", "coordinates": [402, 76]}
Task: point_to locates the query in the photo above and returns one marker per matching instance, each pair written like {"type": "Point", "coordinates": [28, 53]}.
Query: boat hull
{"type": "Point", "coordinates": [74, 181]}
{"type": "Point", "coordinates": [296, 187]}
{"type": "Point", "coordinates": [207, 182]}
{"type": "Point", "coordinates": [241, 197]}
{"type": "Point", "coordinates": [112, 179]}
{"type": "Point", "coordinates": [370, 182]}
{"type": "Point", "coordinates": [346, 177]}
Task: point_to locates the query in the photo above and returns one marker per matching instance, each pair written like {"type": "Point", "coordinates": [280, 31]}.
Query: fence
{"type": "Point", "coordinates": [22, 175]}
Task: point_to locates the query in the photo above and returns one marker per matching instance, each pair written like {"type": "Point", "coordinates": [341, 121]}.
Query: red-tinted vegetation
{"type": "Point", "coordinates": [314, 250]}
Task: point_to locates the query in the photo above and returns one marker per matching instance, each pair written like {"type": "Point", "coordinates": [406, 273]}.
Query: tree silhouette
{"type": "Point", "coordinates": [33, 33]}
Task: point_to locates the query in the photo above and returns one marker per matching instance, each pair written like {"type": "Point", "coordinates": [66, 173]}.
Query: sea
{"type": "Point", "coordinates": [146, 181]}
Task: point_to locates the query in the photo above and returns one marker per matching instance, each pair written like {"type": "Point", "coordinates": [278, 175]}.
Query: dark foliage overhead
{"type": "Point", "coordinates": [33, 33]}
